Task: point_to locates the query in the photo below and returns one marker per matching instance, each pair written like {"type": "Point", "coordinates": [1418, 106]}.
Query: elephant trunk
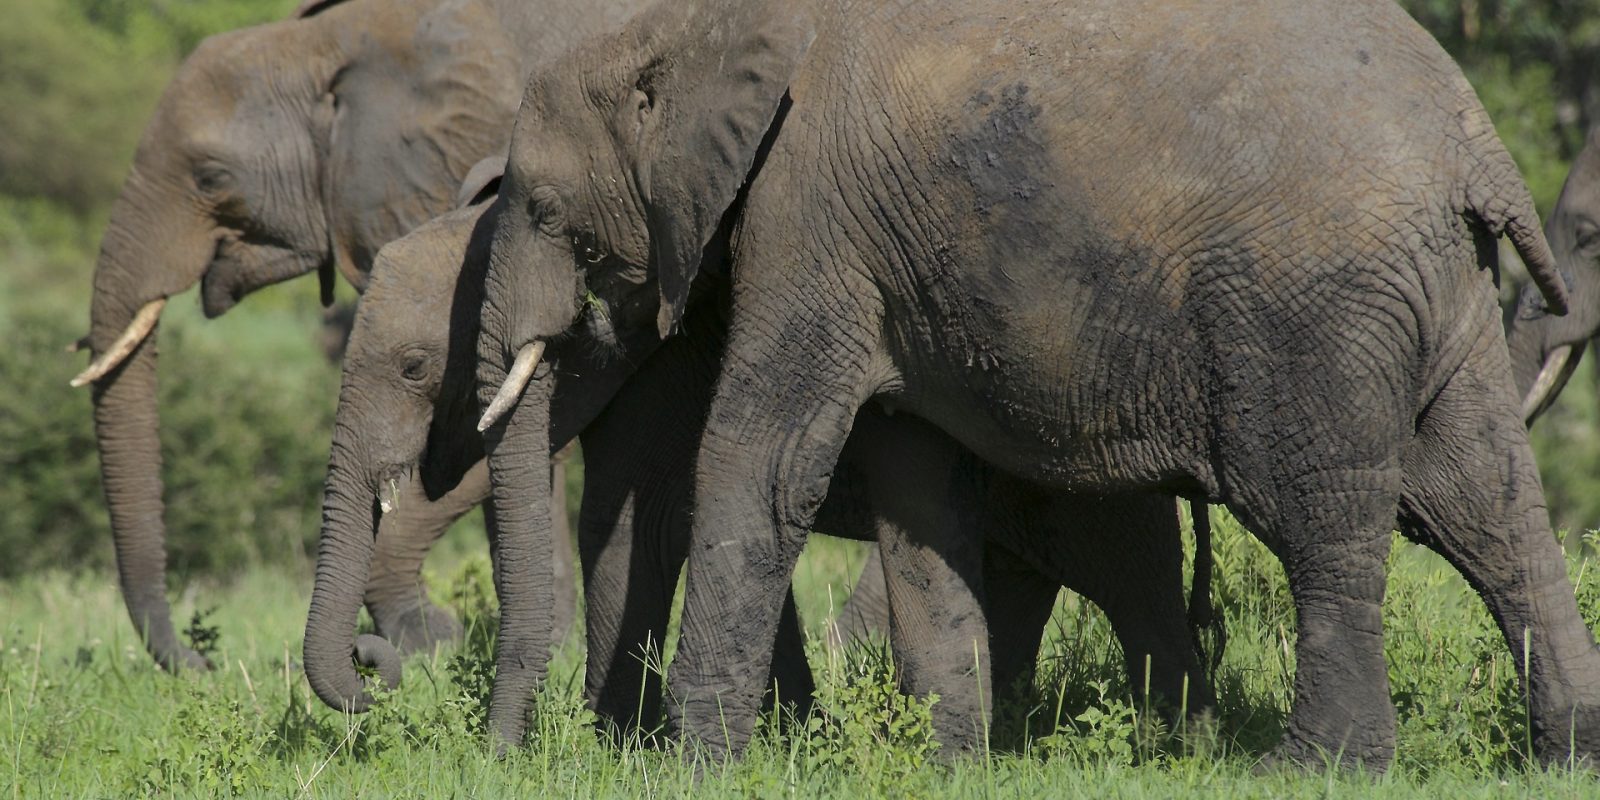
{"type": "Point", "coordinates": [520, 512]}
{"type": "Point", "coordinates": [344, 558]}
{"type": "Point", "coordinates": [124, 314]}
{"type": "Point", "coordinates": [127, 426]}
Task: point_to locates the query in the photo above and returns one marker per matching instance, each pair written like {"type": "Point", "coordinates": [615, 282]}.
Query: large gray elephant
{"type": "Point", "coordinates": [1243, 251]}
{"type": "Point", "coordinates": [407, 409]}
{"type": "Point", "coordinates": [284, 149]}
{"type": "Point", "coordinates": [1545, 349]}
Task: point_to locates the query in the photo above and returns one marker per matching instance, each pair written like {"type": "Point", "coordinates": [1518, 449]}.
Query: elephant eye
{"type": "Point", "coordinates": [414, 368]}
{"type": "Point", "coordinates": [548, 209]}
{"type": "Point", "coordinates": [212, 179]}
{"type": "Point", "coordinates": [1589, 242]}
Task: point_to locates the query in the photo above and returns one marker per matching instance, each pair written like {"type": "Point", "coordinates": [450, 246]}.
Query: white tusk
{"type": "Point", "coordinates": [389, 502]}
{"type": "Point", "coordinates": [516, 380]}
{"type": "Point", "coordinates": [143, 322]}
{"type": "Point", "coordinates": [1557, 368]}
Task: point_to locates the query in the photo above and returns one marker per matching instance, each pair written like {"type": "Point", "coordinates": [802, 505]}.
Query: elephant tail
{"type": "Point", "coordinates": [1499, 199]}
{"type": "Point", "coordinates": [1203, 618]}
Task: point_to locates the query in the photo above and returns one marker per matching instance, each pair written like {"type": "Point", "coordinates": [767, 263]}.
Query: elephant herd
{"type": "Point", "coordinates": [986, 283]}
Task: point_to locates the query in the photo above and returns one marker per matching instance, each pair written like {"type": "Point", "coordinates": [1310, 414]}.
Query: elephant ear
{"type": "Point", "coordinates": [405, 119]}
{"type": "Point", "coordinates": [482, 181]}
{"type": "Point", "coordinates": [705, 108]}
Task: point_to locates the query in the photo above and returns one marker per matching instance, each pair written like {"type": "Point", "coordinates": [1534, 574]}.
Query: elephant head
{"type": "Point", "coordinates": [627, 159]}
{"type": "Point", "coordinates": [406, 412]}
{"type": "Point", "coordinates": [1545, 349]}
{"type": "Point", "coordinates": [292, 147]}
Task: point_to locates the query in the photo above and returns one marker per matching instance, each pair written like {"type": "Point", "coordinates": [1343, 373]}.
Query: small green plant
{"type": "Point", "coordinates": [470, 669]}
{"type": "Point", "coordinates": [213, 746]}
{"type": "Point", "coordinates": [203, 637]}
{"type": "Point", "coordinates": [1105, 732]}
{"type": "Point", "coordinates": [868, 726]}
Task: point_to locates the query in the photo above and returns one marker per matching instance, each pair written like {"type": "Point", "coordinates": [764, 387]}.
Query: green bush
{"type": "Point", "coordinates": [245, 450]}
{"type": "Point", "coordinates": [78, 79]}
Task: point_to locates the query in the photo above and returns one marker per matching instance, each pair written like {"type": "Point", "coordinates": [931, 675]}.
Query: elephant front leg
{"type": "Point", "coordinates": [778, 422]}
{"type": "Point", "coordinates": [628, 581]}
{"type": "Point", "coordinates": [1125, 554]}
{"type": "Point", "coordinates": [396, 596]}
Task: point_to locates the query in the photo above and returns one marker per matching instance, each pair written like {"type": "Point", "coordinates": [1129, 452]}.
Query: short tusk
{"type": "Point", "coordinates": [1558, 367]}
{"type": "Point", "coordinates": [143, 322]}
{"type": "Point", "coordinates": [516, 380]}
{"type": "Point", "coordinates": [78, 344]}
{"type": "Point", "coordinates": [387, 503]}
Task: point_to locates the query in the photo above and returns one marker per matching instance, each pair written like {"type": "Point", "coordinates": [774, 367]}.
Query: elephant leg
{"type": "Point", "coordinates": [927, 500]}
{"type": "Point", "coordinates": [628, 583]}
{"type": "Point", "coordinates": [631, 566]}
{"type": "Point", "coordinates": [1017, 605]}
{"type": "Point", "coordinates": [1331, 529]}
{"type": "Point", "coordinates": [1472, 494]}
{"type": "Point", "coordinates": [776, 426]}
{"type": "Point", "coordinates": [395, 596]}
{"type": "Point", "coordinates": [866, 611]}
{"type": "Point", "coordinates": [789, 680]}
{"type": "Point", "coordinates": [1124, 553]}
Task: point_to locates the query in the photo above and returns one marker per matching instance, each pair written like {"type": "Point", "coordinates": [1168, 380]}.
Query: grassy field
{"type": "Point", "coordinates": [83, 713]}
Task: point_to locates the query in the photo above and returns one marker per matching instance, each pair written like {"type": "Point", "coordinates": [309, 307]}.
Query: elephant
{"type": "Point", "coordinates": [294, 147]}
{"type": "Point", "coordinates": [1243, 252]}
{"type": "Point", "coordinates": [1545, 349]}
{"type": "Point", "coordinates": [407, 408]}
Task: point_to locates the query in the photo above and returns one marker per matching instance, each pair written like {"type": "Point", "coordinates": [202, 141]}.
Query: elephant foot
{"type": "Point", "coordinates": [183, 659]}
{"type": "Point", "coordinates": [1298, 754]}
{"type": "Point", "coordinates": [417, 629]}
{"type": "Point", "coordinates": [1569, 741]}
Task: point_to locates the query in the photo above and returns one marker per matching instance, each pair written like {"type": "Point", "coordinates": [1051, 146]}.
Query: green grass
{"type": "Point", "coordinates": [84, 714]}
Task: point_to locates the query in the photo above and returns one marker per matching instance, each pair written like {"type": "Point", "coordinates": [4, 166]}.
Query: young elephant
{"type": "Point", "coordinates": [407, 409]}
{"type": "Point", "coordinates": [279, 150]}
{"type": "Point", "coordinates": [1242, 251]}
{"type": "Point", "coordinates": [1545, 349]}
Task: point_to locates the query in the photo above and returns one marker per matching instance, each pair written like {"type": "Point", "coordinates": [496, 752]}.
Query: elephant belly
{"type": "Point", "coordinates": [1085, 411]}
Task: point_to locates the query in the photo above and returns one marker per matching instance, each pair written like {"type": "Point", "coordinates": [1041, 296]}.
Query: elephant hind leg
{"type": "Point", "coordinates": [1125, 554]}
{"type": "Point", "coordinates": [1017, 604]}
{"type": "Point", "coordinates": [789, 680]}
{"type": "Point", "coordinates": [1472, 494]}
{"type": "Point", "coordinates": [866, 610]}
{"type": "Point", "coordinates": [1332, 532]}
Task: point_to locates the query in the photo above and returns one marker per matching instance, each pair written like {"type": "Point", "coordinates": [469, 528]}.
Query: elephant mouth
{"type": "Point", "coordinates": [393, 483]}
{"type": "Point", "coordinates": [239, 267]}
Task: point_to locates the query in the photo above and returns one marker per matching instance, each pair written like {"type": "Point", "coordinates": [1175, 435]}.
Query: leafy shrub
{"type": "Point", "coordinates": [245, 453]}
{"type": "Point", "coordinates": [866, 726]}
{"type": "Point", "coordinates": [79, 78]}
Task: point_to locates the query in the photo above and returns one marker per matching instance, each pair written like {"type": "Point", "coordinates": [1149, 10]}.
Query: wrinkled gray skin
{"type": "Point", "coordinates": [1094, 243]}
{"type": "Point", "coordinates": [408, 399]}
{"type": "Point", "coordinates": [1545, 349]}
{"type": "Point", "coordinates": [288, 148]}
